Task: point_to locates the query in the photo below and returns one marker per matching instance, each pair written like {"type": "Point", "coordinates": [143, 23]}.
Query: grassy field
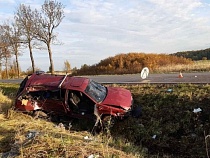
{"type": "Point", "coordinates": [169, 127]}
{"type": "Point", "coordinates": [197, 66]}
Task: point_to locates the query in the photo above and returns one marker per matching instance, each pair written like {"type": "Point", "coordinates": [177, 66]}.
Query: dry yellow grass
{"type": "Point", "coordinates": [203, 65]}
{"type": "Point", "coordinates": [3, 98]}
{"type": "Point", "coordinates": [51, 140]}
{"type": "Point", "coordinates": [5, 102]}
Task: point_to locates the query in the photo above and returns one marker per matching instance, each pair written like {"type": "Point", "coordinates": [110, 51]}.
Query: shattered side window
{"type": "Point", "coordinates": [42, 95]}
{"type": "Point", "coordinates": [56, 94]}
{"type": "Point", "coordinates": [96, 91]}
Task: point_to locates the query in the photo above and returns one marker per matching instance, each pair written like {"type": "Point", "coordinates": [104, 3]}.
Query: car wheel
{"type": "Point", "coordinates": [55, 118]}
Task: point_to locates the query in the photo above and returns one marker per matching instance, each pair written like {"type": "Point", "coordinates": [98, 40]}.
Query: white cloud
{"type": "Point", "coordinates": [7, 2]}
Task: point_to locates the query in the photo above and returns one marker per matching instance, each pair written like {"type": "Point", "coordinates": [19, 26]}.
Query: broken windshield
{"type": "Point", "coordinates": [96, 91]}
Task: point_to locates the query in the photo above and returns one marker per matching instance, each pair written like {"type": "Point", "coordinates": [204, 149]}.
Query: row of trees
{"type": "Point", "coordinates": [203, 54]}
{"type": "Point", "coordinates": [131, 63]}
{"type": "Point", "coordinates": [30, 29]}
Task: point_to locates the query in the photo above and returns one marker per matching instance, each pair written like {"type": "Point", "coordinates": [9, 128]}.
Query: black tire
{"type": "Point", "coordinates": [55, 118]}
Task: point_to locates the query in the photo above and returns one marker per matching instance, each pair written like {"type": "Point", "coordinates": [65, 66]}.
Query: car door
{"type": "Point", "coordinates": [80, 103]}
{"type": "Point", "coordinates": [55, 102]}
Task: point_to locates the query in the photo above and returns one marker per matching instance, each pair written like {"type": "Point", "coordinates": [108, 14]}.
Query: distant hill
{"type": "Point", "coordinates": [131, 63]}
{"type": "Point", "coordinates": [203, 54]}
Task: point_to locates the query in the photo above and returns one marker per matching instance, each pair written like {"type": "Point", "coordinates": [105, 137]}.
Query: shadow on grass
{"type": "Point", "coordinates": [168, 125]}
{"type": "Point", "coordinates": [6, 139]}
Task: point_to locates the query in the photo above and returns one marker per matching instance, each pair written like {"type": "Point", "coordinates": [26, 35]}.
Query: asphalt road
{"type": "Point", "coordinates": [201, 77]}
{"type": "Point", "coordinates": [156, 78]}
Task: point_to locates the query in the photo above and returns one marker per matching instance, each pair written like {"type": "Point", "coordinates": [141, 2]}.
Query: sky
{"type": "Point", "coordinates": [93, 30]}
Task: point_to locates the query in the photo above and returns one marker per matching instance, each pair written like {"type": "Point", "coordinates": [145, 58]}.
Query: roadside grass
{"type": "Point", "coordinates": [23, 136]}
{"type": "Point", "coordinates": [169, 127]}
{"type": "Point", "coordinates": [9, 89]}
{"type": "Point", "coordinates": [5, 102]}
{"type": "Point", "coordinates": [197, 66]}
{"type": "Point", "coordinates": [170, 124]}
{"type": "Point", "coordinates": [7, 94]}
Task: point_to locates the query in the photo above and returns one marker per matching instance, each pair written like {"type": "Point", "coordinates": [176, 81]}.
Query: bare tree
{"type": "Point", "coordinates": [51, 17]}
{"type": "Point", "coordinates": [5, 54]}
{"type": "Point", "coordinates": [12, 33]}
{"type": "Point", "coordinates": [25, 18]}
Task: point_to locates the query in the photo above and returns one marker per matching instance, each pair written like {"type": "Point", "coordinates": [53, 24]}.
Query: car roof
{"type": "Point", "coordinates": [51, 82]}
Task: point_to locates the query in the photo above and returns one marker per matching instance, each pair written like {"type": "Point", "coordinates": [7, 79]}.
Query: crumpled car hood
{"type": "Point", "coordinates": [118, 97]}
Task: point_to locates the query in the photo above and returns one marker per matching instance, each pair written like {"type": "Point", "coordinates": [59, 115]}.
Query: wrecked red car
{"type": "Point", "coordinates": [68, 96]}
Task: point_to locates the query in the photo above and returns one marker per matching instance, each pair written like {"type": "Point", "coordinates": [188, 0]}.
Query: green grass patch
{"type": "Point", "coordinates": [169, 125]}
{"type": "Point", "coordinates": [9, 89]}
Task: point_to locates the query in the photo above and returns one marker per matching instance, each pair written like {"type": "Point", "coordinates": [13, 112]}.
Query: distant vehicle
{"type": "Point", "coordinates": [66, 96]}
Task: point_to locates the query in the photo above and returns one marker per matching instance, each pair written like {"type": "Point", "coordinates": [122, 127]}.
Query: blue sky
{"type": "Point", "coordinates": [93, 30]}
